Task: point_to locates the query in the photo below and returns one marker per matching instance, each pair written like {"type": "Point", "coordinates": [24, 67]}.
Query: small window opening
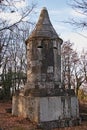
{"type": "Point", "coordinates": [39, 47]}
{"type": "Point", "coordinates": [55, 47]}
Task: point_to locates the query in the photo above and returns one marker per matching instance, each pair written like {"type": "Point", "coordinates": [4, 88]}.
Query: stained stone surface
{"type": "Point", "coordinates": [43, 55]}
{"type": "Point", "coordinates": [44, 99]}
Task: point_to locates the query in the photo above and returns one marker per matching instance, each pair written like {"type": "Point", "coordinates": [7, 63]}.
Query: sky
{"type": "Point", "coordinates": [59, 11]}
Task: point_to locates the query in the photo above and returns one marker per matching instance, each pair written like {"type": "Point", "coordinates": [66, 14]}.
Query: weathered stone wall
{"type": "Point", "coordinates": [27, 107]}
{"type": "Point", "coordinates": [44, 63]}
{"type": "Point", "coordinates": [19, 104]}
{"type": "Point", "coordinates": [43, 109]}
{"type": "Point", "coordinates": [58, 108]}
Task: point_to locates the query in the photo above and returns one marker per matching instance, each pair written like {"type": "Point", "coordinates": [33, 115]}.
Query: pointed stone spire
{"type": "Point", "coordinates": [52, 105]}
{"type": "Point", "coordinates": [44, 27]}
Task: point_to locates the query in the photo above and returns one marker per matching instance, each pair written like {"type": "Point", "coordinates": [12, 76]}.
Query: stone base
{"type": "Point", "coordinates": [60, 123]}
{"type": "Point", "coordinates": [53, 112]}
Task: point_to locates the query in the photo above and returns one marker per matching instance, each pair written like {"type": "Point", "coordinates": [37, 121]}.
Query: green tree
{"type": "Point", "coordinates": [6, 81]}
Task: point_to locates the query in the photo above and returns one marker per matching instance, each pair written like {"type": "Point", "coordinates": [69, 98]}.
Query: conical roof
{"type": "Point", "coordinates": [44, 27]}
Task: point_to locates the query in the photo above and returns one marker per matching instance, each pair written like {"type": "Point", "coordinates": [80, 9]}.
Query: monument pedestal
{"type": "Point", "coordinates": [49, 111]}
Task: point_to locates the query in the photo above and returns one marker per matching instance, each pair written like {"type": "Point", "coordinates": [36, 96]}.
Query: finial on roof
{"type": "Point", "coordinates": [44, 8]}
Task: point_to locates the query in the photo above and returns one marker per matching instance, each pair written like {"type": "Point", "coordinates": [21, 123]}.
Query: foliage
{"type": "Point", "coordinates": [8, 83]}
{"type": "Point", "coordinates": [82, 95]}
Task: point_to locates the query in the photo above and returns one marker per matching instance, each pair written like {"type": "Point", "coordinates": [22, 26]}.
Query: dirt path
{"type": "Point", "coordinates": [9, 122]}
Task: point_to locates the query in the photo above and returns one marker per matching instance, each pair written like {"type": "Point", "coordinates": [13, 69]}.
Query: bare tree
{"type": "Point", "coordinates": [80, 71]}
{"type": "Point", "coordinates": [79, 6]}
{"type": "Point", "coordinates": [15, 59]}
{"type": "Point", "coordinates": [12, 39]}
{"type": "Point", "coordinates": [9, 7]}
{"type": "Point", "coordinates": [77, 75]}
{"type": "Point", "coordinates": [8, 25]}
{"type": "Point", "coordinates": [74, 67]}
{"type": "Point", "coordinates": [67, 52]}
{"type": "Point", "coordinates": [84, 64]}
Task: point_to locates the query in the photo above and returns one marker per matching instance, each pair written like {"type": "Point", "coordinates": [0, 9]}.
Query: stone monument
{"type": "Point", "coordinates": [44, 99]}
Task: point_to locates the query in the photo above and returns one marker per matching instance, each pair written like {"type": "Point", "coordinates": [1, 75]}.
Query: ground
{"type": "Point", "coordinates": [9, 122]}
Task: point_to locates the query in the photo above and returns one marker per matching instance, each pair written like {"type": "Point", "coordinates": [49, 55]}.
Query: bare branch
{"type": "Point", "coordinates": [80, 7]}
{"type": "Point", "coordinates": [24, 14]}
